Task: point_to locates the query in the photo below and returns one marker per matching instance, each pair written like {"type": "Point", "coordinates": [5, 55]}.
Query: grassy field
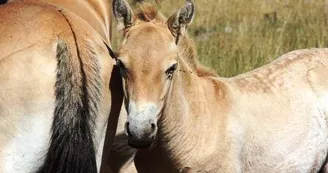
{"type": "Point", "coordinates": [235, 36]}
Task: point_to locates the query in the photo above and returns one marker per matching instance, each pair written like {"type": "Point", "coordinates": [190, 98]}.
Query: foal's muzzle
{"type": "Point", "coordinates": [141, 124]}
{"type": "Point", "coordinates": [140, 136]}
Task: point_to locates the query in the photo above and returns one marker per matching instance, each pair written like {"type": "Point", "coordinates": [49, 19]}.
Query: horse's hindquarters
{"type": "Point", "coordinates": [27, 74]}
{"type": "Point", "coordinates": [26, 108]}
{"type": "Point", "coordinates": [29, 38]}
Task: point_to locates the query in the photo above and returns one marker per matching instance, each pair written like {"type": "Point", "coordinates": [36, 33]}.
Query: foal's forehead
{"type": "Point", "coordinates": [149, 45]}
{"type": "Point", "coordinates": [149, 35]}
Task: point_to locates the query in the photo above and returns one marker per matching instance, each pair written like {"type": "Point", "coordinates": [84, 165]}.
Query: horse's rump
{"type": "Point", "coordinates": [53, 64]}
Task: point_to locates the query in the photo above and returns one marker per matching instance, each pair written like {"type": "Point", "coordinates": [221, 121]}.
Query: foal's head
{"type": "Point", "coordinates": [148, 58]}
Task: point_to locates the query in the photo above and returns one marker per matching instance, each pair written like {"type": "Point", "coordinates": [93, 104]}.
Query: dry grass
{"type": "Point", "coordinates": [235, 36]}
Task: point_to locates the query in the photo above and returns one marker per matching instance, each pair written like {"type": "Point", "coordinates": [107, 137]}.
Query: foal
{"type": "Point", "coordinates": [272, 119]}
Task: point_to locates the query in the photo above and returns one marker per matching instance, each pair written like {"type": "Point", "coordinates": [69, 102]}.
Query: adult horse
{"type": "Point", "coordinates": [58, 85]}
{"type": "Point", "coordinates": [272, 119]}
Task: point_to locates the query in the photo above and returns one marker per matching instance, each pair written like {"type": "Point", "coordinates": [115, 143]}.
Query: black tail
{"type": "Point", "coordinates": [71, 147]}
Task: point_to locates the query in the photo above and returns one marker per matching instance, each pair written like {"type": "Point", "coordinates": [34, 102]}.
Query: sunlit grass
{"type": "Point", "coordinates": [235, 36]}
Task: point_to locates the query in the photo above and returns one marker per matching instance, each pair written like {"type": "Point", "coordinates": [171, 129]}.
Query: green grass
{"type": "Point", "coordinates": [236, 36]}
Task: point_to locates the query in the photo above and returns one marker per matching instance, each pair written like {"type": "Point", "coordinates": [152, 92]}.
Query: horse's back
{"type": "Point", "coordinates": [297, 80]}
{"type": "Point", "coordinates": [289, 70]}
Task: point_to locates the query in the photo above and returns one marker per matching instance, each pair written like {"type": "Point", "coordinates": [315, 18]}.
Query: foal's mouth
{"type": "Point", "coordinates": [140, 145]}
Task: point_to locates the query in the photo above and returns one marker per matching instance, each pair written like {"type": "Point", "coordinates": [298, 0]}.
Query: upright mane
{"type": "Point", "coordinates": [187, 49]}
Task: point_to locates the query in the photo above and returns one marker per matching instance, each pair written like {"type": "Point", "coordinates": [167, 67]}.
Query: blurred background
{"type": "Point", "coordinates": [236, 36]}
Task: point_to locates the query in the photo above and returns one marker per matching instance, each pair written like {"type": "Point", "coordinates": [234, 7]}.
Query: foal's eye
{"type": "Point", "coordinates": [123, 69]}
{"type": "Point", "coordinates": [169, 72]}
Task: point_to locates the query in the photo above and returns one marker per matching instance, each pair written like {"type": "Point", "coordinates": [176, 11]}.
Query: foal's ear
{"type": "Point", "coordinates": [123, 14]}
{"type": "Point", "coordinates": [178, 22]}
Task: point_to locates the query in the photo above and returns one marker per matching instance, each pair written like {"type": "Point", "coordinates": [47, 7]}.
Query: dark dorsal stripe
{"type": "Point", "coordinates": [71, 147]}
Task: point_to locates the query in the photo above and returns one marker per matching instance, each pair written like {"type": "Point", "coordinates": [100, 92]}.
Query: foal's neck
{"type": "Point", "coordinates": [187, 117]}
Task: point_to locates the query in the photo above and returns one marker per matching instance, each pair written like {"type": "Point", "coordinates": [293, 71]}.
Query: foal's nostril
{"type": "Point", "coordinates": [153, 127]}
{"type": "Point", "coordinates": [128, 129]}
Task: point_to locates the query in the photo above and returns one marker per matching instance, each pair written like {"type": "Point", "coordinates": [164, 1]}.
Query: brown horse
{"type": "Point", "coordinates": [57, 85]}
{"type": "Point", "coordinates": [272, 119]}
